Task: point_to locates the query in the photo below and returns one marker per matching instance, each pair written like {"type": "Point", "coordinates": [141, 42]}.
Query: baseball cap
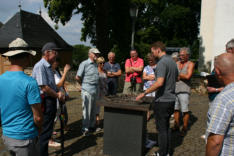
{"type": "Point", "coordinates": [50, 46]}
{"type": "Point", "coordinates": [94, 50]}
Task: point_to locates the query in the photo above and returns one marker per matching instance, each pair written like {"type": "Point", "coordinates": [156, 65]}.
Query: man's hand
{"type": "Point", "coordinates": [61, 96]}
{"type": "Point", "coordinates": [211, 89]}
{"type": "Point", "coordinates": [140, 96]}
{"type": "Point", "coordinates": [151, 77]}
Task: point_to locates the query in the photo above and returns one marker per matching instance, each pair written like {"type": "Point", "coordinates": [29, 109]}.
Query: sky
{"type": "Point", "coordinates": [71, 32]}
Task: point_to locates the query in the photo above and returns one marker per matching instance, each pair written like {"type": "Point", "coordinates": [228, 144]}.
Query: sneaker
{"type": "Point", "coordinates": [85, 132]}
{"type": "Point", "coordinates": [54, 144]}
{"type": "Point", "coordinates": [203, 136]}
{"type": "Point", "coordinates": [98, 129]}
{"type": "Point", "coordinates": [183, 132]}
{"type": "Point", "coordinates": [150, 143]}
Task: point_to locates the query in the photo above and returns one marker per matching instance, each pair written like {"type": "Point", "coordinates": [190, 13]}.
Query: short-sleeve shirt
{"type": "Point", "coordinates": [167, 69]}
{"type": "Point", "coordinates": [149, 71]}
{"type": "Point", "coordinates": [221, 118]}
{"type": "Point", "coordinates": [18, 92]}
{"type": "Point", "coordinates": [131, 63]}
{"type": "Point", "coordinates": [88, 72]}
{"type": "Point", "coordinates": [108, 67]}
{"type": "Point", "coordinates": [44, 74]}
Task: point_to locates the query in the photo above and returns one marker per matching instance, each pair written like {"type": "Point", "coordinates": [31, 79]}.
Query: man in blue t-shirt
{"type": "Point", "coordinates": [113, 72]}
{"type": "Point", "coordinates": [20, 104]}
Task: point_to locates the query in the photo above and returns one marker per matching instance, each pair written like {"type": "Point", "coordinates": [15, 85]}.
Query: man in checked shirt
{"type": "Point", "coordinates": [220, 123]}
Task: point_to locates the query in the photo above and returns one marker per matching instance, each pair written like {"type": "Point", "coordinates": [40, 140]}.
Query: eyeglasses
{"type": "Point", "coordinates": [101, 63]}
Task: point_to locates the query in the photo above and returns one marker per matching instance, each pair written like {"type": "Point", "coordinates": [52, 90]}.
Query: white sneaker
{"type": "Point", "coordinates": [149, 143]}
{"type": "Point", "coordinates": [54, 144]}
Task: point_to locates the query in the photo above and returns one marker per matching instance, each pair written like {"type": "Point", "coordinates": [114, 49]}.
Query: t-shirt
{"type": "Point", "coordinates": [130, 63]}
{"type": "Point", "coordinates": [108, 67]}
{"type": "Point", "coordinates": [167, 69]}
{"type": "Point", "coordinates": [18, 92]}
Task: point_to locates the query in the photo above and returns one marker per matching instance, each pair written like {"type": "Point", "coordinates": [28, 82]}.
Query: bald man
{"type": "Point", "coordinates": [220, 123]}
{"type": "Point", "coordinates": [230, 46]}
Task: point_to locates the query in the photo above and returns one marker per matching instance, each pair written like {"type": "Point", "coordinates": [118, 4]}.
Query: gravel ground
{"type": "Point", "coordinates": [78, 145]}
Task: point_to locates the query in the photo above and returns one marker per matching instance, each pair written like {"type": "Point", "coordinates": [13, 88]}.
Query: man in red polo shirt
{"type": "Point", "coordinates": [133, 69]}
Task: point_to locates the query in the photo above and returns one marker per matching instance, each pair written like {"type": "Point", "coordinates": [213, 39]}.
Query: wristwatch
{"type": "Point", "coordinates": [216, 89]}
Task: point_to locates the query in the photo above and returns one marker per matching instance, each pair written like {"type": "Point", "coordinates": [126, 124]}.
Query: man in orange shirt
{"type": "Point", "coordinates": [133, 69]}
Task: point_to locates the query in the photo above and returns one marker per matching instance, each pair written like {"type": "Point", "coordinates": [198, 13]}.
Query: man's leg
{"type": "Point", "coordinates": [86, 110]}
{"type": "Point", "coordinates": [47, 127]}
{"type": "Point", "coordinates": [184, 108]}
{"type": "Point", "coordinates": [163, 111]}
{"type": "Point", "coordinates": [92, 111]}
{"type": "Point", "coordinates": [138, 88]}
{"type": "Point", "coordinates": [127, 88]}
{"type": "Point", "coordinates": [177, 114]}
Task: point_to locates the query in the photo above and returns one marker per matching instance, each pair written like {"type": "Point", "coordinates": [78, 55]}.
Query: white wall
{"type": "Point", "coordinates": [216, 29]}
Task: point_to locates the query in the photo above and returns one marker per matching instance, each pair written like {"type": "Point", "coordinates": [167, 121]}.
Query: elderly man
{"type": "Point", "coordinates": [20, 103]}
{"type": "Point", "coordinates": [220, 123]}
{"type": "Point", "coordinates": [166, 74]}
{"type": "Point", "coordinates": [88, 77]}
{"type": "Point", "coordinates": [230, 46]}
{"type": "Point", "coordinates": [113, 73]}
{"type": "Point", "coordinates": [133, 68]}
{"type": "Point", "coordinates": [44, 75]}
{"type": "Point", "coordinates": [186, 68]}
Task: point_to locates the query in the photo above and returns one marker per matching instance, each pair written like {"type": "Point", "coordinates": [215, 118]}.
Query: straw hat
{"type": "Point", "coordinates": [94, 50]}
{"type": "Point", "coordinates": [19, 46]}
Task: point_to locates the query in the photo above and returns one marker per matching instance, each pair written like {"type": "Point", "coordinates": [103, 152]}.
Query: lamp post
{"type": "Point", "coordinates": [133, 15]}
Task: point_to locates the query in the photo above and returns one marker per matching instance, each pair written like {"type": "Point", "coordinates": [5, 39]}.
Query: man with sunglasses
{"type": "Point", "coordinates": [44, 75]}
{"type": "Point", "coordinates": [88, 77]}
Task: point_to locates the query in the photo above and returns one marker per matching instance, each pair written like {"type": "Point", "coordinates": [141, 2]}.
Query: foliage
{"type": "Point", "coordinates": [80, 53]}
{"type": "Point", "coordinates": [108, 24]}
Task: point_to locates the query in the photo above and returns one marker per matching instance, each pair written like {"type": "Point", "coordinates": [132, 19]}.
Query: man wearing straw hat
{"type": "Point", "coordinates": [44, 75]}
{"type": "Point", "coordinates": [20, 103]}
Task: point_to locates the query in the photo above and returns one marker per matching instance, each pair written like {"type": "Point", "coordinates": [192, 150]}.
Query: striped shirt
{"type": "Point", "coordinates": [221, 119]}
{"type": "Point", "coordinates": [44, 74]}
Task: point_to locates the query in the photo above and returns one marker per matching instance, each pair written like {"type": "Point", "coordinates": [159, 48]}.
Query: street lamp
{"type": "Point", "coordinates": [133, 15]}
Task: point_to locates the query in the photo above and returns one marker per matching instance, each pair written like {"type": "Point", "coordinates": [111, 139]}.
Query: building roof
{"type": "Point", "coordinates": [32, 28]}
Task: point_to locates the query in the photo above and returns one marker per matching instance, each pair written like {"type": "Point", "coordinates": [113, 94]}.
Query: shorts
{"type": "Point", "coordinates": [182, 102]}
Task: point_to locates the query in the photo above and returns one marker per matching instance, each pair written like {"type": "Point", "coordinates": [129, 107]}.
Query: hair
{"type": "Point", "coordinates": [149, 56]}
{"type": "Point", "coordinates": [185, 49]}
{"type": "Point", "coordinates": [175, 55]}
{"type": "Point", "coordinates": [110, 53]}
{"type": "Point", "coordinates": [19, 56]}
{"type": "Point", "coordinates": [160, 45]}
{"type": "Point", "coordinates": [230, 44]}
{"type": "Point", "coordinates": [100, 60]}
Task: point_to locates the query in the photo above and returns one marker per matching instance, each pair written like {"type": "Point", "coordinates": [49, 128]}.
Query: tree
{"type": "Point", "coordinates": [80, 53]}
{"type": "Point", "coordinates": [108, 24]}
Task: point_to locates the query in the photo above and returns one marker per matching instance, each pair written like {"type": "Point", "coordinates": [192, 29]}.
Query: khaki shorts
{"type": "Point", "coordinates": [128, 88]}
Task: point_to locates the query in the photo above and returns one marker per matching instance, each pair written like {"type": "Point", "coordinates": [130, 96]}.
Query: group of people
{"type": "Point", "coordinates": [29, 104]}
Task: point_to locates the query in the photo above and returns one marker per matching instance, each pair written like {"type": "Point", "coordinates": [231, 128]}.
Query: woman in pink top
{"type": "Point", "coordinates": [133, 69]}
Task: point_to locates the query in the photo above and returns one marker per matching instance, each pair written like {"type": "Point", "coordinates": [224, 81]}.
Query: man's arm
{"type": "Point", "coordinates": [159, 83]}
{"type": "Point", "coordinates": [46, 89]}
{"type": "Point", "coordinates": [189, 72]}
{"type": "Point", "coordinates": [214, 144]}
{"type": "Point", "coordinates": [118, 73]}
{"type": "Point", "coordinates": [78, 79]}
{"type": "Point", "coordinates": [137, 69]}
{"type": "Point", "coordinates": [37, 116]}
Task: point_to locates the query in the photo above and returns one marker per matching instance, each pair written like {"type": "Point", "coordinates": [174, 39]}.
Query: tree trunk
{"type": "Point", "coordinates": [102, 26]}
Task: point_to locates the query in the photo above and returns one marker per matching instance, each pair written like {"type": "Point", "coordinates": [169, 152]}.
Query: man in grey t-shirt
{"type": "Point", "coordinates": [166, 75]}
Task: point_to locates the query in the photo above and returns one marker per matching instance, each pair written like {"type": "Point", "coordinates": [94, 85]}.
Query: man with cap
{"type": "Point", "coordinates": [44, 75]}
{"type": "Point", "coordinates": [88, 77]}
{"type": "Point", "coordinates": [20, 103]}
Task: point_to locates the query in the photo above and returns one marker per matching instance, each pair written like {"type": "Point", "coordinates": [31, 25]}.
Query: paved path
{"type": "Point", "coordinates": [77, 145]}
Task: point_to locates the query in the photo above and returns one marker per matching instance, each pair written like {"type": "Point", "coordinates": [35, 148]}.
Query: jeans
{"type": "Point", "coordinates": [48, 122]}
{"type": "Point", "coordinates": [163, 112]}
{"type": "Point", "coordinates": [89, 110]}
{"type": "Point", "coordinates": [112, 87]}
